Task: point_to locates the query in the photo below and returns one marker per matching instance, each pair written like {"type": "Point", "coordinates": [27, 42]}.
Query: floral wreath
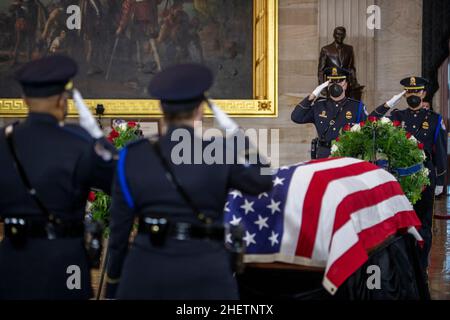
{"type": "Point", "coordinates": [99, 202]}
{"type": "Point", "coordinates": [388, 145]}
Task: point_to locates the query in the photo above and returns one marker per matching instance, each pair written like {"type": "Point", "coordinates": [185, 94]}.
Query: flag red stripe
{"type": "Point", "coordinates": [347, 264]}
{"type": "Point", "coordinates": [364, 199]}
{"type": "Point", "coordinates": [313, 202]}
{"type": "Point", "coordinates": [369, 238]}
{"type": "Point", "coordinates": [373, 236]}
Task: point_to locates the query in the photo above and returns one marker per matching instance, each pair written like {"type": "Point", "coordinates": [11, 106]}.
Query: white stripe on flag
{"type": "Point", "coordinates": [343, 239]}
{"type": "Point", "coordinates": [363, 219]}
{"type": "Point", "coordinates": [336, 191]}
{"type": "Point", "coordinates": [371, 216]}
{"type": "Point", "coordinates": [293, 209]}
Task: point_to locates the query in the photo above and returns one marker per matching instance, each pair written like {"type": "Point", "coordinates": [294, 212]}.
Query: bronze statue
{"type": "Point", "coordinates": [338, 54]}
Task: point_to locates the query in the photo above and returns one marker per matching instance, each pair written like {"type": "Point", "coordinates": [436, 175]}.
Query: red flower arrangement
{"type": "Point", "coordinates": [347, 127]}
{"type": "Point", "coordinates": [91, 196]}
{"type": "Point", "coordinates": [113, 135]}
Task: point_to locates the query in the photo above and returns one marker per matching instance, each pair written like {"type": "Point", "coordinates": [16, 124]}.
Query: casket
{"type": "Point", "coordinates": [330, 229]}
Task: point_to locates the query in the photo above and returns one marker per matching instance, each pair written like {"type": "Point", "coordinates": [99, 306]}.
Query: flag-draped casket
{"type": "Point", "coordinates": [323, 213]}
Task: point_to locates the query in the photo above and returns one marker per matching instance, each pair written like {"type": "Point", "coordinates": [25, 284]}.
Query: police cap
{"type": "Point", "coordinates": [47, 76]}
{"type": "Point", "coordinates": [181, 87]}
{"type": "Point", "coordinates": [414, 83]}
{"type": "Point", "coordinates": [336, 73]}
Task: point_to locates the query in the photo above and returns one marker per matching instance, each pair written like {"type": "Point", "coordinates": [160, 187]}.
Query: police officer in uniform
{"type": "Point", "coordinates": [179, 251]}
{"type": "Point", "coordinates": [47, 169]}
{"type": "Point", "coordinates": [329, 115]}
{"type": "Point", "coordinates": [428, 128]}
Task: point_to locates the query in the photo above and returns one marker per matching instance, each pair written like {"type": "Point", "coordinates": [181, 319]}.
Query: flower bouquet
{"type": "Point", "coordinates": [388, 145]}
{"type": "Point", "coordinates": [99, 202]}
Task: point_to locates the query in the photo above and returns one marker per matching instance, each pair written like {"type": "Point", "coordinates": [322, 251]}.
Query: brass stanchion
{"type": "Point", "coordinates": [102, 274]}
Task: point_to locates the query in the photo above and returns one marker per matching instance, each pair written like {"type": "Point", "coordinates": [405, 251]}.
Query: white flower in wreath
{"type": "Point", "coordinates": [425, 172]}
{"type": "Point", "coordinates": [119, 124]}
{"type": "Point", "coordinates": [424, 156]}
{"type": "Point", "coordinates": [356, 128]}
{"type": "Point", "coordinates": [334, 148]}
{"type": "Point", "coordinates": [123, 126]}
{"type": "Point", "coordinates": [381, 155]}
{"type": "Point", "coordinates": [385, 120]}
{"type": "Point", "coordinates": [413, 139]}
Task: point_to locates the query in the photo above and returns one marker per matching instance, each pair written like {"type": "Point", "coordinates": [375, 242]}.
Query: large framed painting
{"type": "Point", "coordinates": [120, 44]}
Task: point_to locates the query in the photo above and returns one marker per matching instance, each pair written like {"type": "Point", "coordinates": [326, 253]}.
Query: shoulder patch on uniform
{"type": "Point", "coordinates": [77, 131]}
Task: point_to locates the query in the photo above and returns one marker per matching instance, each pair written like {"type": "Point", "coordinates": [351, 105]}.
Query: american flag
{"type": "Point", "coordinates": [324, 213]}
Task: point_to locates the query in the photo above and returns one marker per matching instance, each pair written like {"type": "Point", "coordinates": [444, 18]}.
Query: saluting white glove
{"type": "Point", "coordinates": [319, 89]}
{"type": "Point", "coordinates": [225, 122]}
{"type": "Point", "coordinates": [395, 99]}
{"type": "Point", "coordinates": [87, 120]}
{"type": "Point", "coordinates": [438, 190]}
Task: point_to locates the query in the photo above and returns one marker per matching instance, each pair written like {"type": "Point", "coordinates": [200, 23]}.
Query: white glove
{"type": "Point", "coordinates": [231, 128]}
{"type": "Point", "coordinates": [319, 89]}
{"type": "Point", "coordinates": [438, 190]}
{"type": "Point", "coordinates": [87, 120]}
{"type": "Point", "coordinates": [395, 99]}
{"type": "Point", "coordinates": [225, 122]}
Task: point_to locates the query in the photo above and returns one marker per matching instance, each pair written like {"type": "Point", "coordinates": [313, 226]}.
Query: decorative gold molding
{"type": "Point", "coordinates": [265, 76]}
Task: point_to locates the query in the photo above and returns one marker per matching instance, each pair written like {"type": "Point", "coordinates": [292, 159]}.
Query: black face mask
{"type": "Point", "coordinates": [335, 90]}
{"type": "Point", "coordinates": [414, 101]}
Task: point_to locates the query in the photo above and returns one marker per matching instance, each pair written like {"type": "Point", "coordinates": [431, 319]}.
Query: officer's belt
{"type": "Point", "coordinates": [38, 228]}
{"type": "Point", "coordinates": [184, 230]}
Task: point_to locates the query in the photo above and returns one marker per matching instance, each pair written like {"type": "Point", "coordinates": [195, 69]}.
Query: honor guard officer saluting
{"type": "Point", "coordinates": [428, 128]}
{"type": "Point", "coordinates": [47, 169]}
{"type": "Point", "coordinates": [331, 114]}
{"type": "Point", "coordinates": [179, 251]}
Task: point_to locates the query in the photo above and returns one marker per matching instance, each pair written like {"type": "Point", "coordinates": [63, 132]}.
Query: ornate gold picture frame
{"type": "Point", "coordinates": [265, 84]}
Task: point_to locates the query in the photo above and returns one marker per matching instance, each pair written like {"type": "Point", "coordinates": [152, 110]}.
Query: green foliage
{"type": "Point", "coordinates": [384, 140]}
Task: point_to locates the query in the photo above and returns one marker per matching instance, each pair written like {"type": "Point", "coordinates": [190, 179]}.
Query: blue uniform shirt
{"type": "Point", "coordinates": [428, 128]}
{"type": "Point", "coordinates": [329, 116]}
